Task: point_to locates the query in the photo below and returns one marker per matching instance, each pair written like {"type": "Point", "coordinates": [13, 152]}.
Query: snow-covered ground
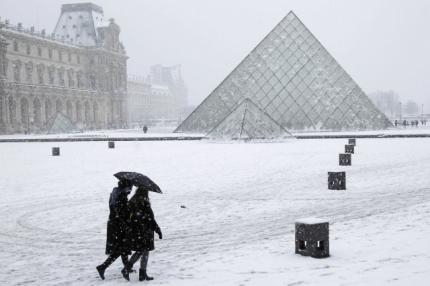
{"type": "Point", "coordinates": [118, 133]}
{"type": "Point", "coordinates": [238, 225]}
{"type": "Point", "coordinates": [167, 131]}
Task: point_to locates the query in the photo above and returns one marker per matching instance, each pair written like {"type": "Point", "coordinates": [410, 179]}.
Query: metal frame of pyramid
{"type": "Point", "coordinates": [292, 77]}
{"type": "Point", "coordinates": [248, 122]}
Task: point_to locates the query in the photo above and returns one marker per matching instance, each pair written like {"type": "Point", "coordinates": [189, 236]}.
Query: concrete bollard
{"type": "Point", "coordinates": [312, 237]}
{"type": "Point", "coordinates": [55, 151]}
{"type": "Point", "coordinates": [352, 141]}
{"type": "Point", "coordinates": [111, 144]}
{"type": "Point", "coordinates": [345, 159]}
{"type": "Point", "coordinates": [349, 149]}
{"type": "Point", "coordinates": [336, 181]}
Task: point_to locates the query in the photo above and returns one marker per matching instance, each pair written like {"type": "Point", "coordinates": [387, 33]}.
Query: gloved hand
{"type": "Point", "coordinates": [158, 231]}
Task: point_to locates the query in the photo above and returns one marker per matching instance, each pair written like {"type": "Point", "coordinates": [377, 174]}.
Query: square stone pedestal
{"type": "Point", "coordinates": [312, 237]}
{"type": "Point", "coordinates": [336, 181]}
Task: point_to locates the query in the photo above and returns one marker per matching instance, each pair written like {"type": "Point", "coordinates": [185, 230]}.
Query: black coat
{"type": "Point", "coordinates": [118, 230]}
{"type": "Point", "coordinates": [142, 224]}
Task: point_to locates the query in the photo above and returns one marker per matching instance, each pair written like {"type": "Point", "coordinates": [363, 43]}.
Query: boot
{"type": "Point", "coordinates": [101, 270]}
{"type": "Point", "coordinates": [125, 274]}
{"type": "Point", "coordinates": [144, 276]}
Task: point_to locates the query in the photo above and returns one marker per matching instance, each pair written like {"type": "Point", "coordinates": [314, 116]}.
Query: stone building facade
{"type": "Point", "coordinates": [80, 70]}
{"type": "Point", "coordinates": [160, 97]}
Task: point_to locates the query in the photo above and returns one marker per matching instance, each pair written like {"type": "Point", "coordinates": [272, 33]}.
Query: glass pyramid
{"type": "Point", "coordinates": [294, 79]}
{"type": "Point", "coordinates": [61, 124]}
{"type": "Point", "coordinates": [248, 122]}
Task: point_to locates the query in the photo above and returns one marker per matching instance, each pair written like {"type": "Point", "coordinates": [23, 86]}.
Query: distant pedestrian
{"type": "Point", "coordinates": [145, 129]}
{"type": "Point", "coordinates": [117, 243]}
{"type": "Point", "coordinates": [395, 123]}
{"type": "Point", "coordinates": [143, 226]}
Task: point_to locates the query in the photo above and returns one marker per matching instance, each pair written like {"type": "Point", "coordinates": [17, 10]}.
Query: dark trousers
{"type": "Point", "coordinates": [143, 255]}
{"type": "Point", "coordinates": [114, 257]}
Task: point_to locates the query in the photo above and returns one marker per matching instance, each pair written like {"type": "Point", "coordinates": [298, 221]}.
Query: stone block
{"type": "Point", "coordinates": [55, 151]}
{"type": "Point", "coordinates": [312, 237]}
{"type": "Point", "coordinates": [345, 159]}
{"type": "Point", "coordinates": [336, 181]}
{"type": "Point", "coordinates": [349, 149]}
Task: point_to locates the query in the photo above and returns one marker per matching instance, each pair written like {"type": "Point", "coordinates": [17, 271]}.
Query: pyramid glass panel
{"type": "Point", "coordinates": [60, 123]}
{"type": "Point", "coordinates": [248, 122]}
{"type": "Point", "coordinates": [294, 79]}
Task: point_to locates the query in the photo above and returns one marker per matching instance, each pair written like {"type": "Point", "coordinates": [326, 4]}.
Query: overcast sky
{"type": "Point", "coordinates": [382, 44]}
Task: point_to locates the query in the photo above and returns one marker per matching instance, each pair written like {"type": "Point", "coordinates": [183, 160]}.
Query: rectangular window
{"type": "Point", "coordinates": [50, 53]}
{"type": "Point", "coordinates": [60, 55]}
{"type": "Point", "coordinates": [28, 49]}
{"type": "Point", "coordinates": [39, 51]}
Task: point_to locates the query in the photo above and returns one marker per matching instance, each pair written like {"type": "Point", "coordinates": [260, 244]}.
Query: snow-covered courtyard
{"type": "Point", "coordinates": [227, 212]}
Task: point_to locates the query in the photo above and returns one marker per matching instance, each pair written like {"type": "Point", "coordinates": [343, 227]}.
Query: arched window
{"type": "Point", "coordinates": [69, 109]}
{"type": "Point", "coordinates": [1, 110]}
{"type": "Point", "coordinates": [12, 109]}
{"type": "Point", "coordinates": [87, 112]}
{"type": "Point", "coordinates": [37, 110]}
{"type": "Point", "coordinates": [96, 112]}
{"type": "Point", "coordinates": [78, 111]}
{"type": "Point", "coordinates": [24, 111]}
{"type": "Point", "coordinates": [15, 46]}
{"type": "Point", "coordinates": [58, 106]}
{"type": "Point", "coordinates": [48, 109]}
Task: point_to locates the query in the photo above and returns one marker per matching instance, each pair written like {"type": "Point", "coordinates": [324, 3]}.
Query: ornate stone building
{"type": "Point", "coordinates": [80, 70]}
{"type": "Point", "coordinates": [160, 97]}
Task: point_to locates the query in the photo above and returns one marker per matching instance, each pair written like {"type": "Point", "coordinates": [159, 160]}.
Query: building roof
{"type": "Point", "coordinates": [79, 23]}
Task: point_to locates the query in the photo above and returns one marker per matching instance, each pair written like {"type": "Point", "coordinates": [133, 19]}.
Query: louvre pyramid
{"type": "Point", "coordinates": [292, 77]}
{"type": "Point", "coordinates": [246, 122]}
{"type": "Point", "coordinates": [60, 123]}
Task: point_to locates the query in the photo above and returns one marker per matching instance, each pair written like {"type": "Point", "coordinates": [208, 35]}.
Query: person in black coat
{"type": "Point", "coordinates": [143, 226]}
{"type": "Point", "coordinates": [117, 243]}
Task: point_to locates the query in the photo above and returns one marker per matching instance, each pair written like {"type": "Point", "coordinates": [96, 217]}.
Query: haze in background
{"type": "Point", "coordinates": [382, 44]}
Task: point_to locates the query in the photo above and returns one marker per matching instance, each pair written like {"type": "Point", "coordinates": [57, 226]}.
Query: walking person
{"type": "Point", "coordinates": [117, 243]}
{"type": "Point", "coordinates": [143, 226]}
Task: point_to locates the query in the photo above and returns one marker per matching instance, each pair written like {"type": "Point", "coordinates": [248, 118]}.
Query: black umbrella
{"type": "Point", "coordinates": [139, 180]}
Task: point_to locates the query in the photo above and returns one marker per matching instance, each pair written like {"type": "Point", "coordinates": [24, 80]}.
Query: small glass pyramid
{"type": "Point", "coordinates": [294, 79]}
{"type": "Point", "coordinates": [248, 122]}
{"type": "Point", "coordinates": [60, 123]}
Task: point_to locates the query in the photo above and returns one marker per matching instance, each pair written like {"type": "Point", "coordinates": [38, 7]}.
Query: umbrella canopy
{"type": "Point", "coordinates": [139, 180]}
